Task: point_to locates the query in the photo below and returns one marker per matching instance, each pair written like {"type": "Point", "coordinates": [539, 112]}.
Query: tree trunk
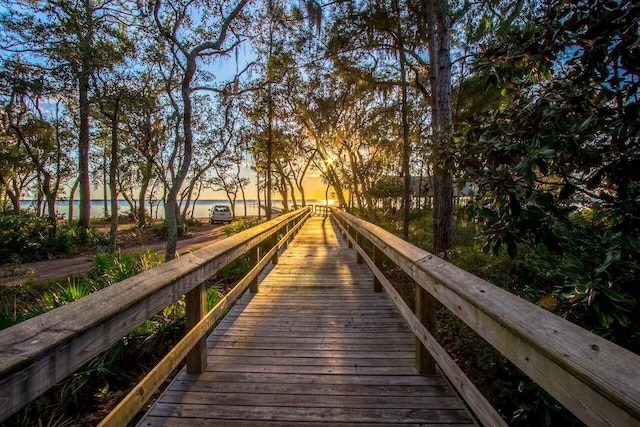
{"type": "Point", "coordinates": [142, 210]}
{"type": "Point", "coordinates": [83, 151]}
{"type": "Point", "coordinates": [269, 153]}
{"type": "Point", "coordinates": [293, 194]}
{"type": "Point", "coordinates": [406, 143]}
{"type": "Point", "coordinates": [105, 184]}
{"type": "Point", "coordinates": [39, 192]}
{"type": "Point", "coordinates": [258, 194]}
{"type": "Point", "coordinates": [244, 200]}
{"type": "Point", "coordinates": [113, 174]}
{"type": "Point", "coordinates": [284, 194]}
{"type": "Point", "coordinates": [171, 214]}
{"type": "Point", "coordinates": [195, 201]}
{"type": "Point", "coordinates": [72, 196]}
{"type": "Point", "coordinates": [440, 54]}
{"type": "Point", "coordinates": [14, 196]}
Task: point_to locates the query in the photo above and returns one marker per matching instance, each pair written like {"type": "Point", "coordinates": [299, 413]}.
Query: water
{"type": "Point", "coordinates": [201, 210]}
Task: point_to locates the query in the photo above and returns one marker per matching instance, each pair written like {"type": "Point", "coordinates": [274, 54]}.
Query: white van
{"type": "Point", "coordinates": [220, 213]}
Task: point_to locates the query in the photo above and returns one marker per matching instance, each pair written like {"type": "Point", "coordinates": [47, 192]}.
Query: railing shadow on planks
{"type": "Point", "coordinates": [597, 380]}
{"type": "Point", "coordinates": [39, 352]}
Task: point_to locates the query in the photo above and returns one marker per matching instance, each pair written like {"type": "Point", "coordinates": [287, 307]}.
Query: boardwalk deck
{"type": "Point", "coordinates": [316, 346]}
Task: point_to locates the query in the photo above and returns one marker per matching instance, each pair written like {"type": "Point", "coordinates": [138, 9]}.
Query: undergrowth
{"type": "Point", "coordinates": [518, 399]}
{"type": "Point", "coordinates": [91, 392]}
{"type": "Point", "coordinates": [26, 237]}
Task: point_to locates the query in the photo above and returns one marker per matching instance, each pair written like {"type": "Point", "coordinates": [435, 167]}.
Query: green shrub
{"type": "Point", "coordinates": [111, 268]}
{"type": "Point", "coordinates": [161, 229]}
{"type": "Point", "coordinates": [25, 236]}
{"type": "Point", "coordinates": [238, 226]}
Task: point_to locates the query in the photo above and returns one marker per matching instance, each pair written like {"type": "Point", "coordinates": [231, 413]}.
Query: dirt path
{"type": "Point", "coordinates": [45, 271]}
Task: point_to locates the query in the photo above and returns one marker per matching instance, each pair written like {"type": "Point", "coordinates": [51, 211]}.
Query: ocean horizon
{"type": "Point", "coordinates": [201, 209]}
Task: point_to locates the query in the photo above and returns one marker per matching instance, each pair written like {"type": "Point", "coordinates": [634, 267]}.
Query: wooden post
{"type": "Point", "coordinates": [377, 259]}
{"type": "Point", "coordinates": [274, 242]}
{"type": "Point", "coordinates": [359, 242]}
{"type": "Point", "coordinates": [195, 309]}
{"type": "Point", "coordinates": [425, 311]}
{"type": "Point", "coordinates": [286, 231]}
{"type": "Point", "coordinates": [254, 257]}
{"type": "Point", "coordinates": [349, 233]}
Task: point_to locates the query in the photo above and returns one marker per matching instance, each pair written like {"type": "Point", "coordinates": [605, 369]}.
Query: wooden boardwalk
{"type": "Point", "coordinates": [315, 347]}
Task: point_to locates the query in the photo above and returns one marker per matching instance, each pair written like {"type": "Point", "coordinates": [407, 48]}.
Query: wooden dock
{"type": "Point", "coordinates": [315, 346]}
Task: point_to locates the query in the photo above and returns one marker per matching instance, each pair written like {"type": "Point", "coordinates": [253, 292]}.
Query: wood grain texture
{"type": "Point", "coordinates": [316, 346]}
{"type": "Point", "coordinates": [595, 379]}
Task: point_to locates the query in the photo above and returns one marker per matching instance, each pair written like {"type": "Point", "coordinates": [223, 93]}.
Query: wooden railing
{"type": "Point", "coordinates": [320, 210]}
{"type": "Point", "coordinates": [39, 352]}
{"type": "Point", "coordinates": [598, 381]}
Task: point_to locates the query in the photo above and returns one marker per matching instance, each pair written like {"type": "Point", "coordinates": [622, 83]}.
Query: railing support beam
{"type": "Point", "coordinates": [377, 260]}
{"type": "Point", "coordinates": [195, 309]}
{"type": "Point", "coordinates": [254, 257]}
{"type": "Point", "coordinates": [359, 243]}
{"type": "Point", "coordinates": [425, 311]}
{"type": "Point", "coordinates": [272, 243]}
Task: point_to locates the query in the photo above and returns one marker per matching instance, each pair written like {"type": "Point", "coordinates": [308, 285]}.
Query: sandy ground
{"type": "Point", "coordinates": [130, 240]}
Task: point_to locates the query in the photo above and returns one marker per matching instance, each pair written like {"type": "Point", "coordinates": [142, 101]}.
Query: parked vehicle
{"type": "Point", "coordinates": [220, 214]}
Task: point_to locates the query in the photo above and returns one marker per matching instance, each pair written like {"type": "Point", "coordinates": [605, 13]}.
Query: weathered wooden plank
{"type": "Point", "coordinates": [321, 322]}
{"type": "Point", "coordinates": [284, 378]}
{"type": "Point", "coordinates": [335, 354]}
{"type": "Point", "coordinates": [192, 422]}
{"type": "Point", "coordinates": [325, 370]}
{"type": "Point", "coordinates": [309, 401]}
{"type": "Point", "coordinates": [312, 347]}
{"type": "Point", "coordinates": [303, 334]}
{"type": "Point", "coordinates": [442, 389]}
{"type": "Point", "coordinates": [382, 340]}
{"type": "Point", "coordinates": [259, 413]}
{"type": "Point", "coordinates": [290, 361]}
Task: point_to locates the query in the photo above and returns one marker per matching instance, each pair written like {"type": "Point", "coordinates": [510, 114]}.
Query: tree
{"type": "Point", "coordinates": [172, 24]}
{"type": "Point", "coordinates": [44, 142]}
{"type": "Point", "coordinates": [75, 41]}
{"type": "Point", "coordinates": [556, 156]}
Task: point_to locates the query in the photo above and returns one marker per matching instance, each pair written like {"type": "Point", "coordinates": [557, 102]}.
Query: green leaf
{"type": "Point", "coordinates": [546, 153]}
{"type": "Point", "coordinates": [616, 296]}
{"type": "Point", "coordinates": [612, 256]}
{"type": "Point", "coordinates": [605, 319]}
{"type": "Point", "coordinates": [543, 250]}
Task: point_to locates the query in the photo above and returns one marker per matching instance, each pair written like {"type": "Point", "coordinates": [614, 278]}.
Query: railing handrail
{"type": "Point", "coordinates": [594, 378]}
{"type": "Point", "coordinates": [41, 351]}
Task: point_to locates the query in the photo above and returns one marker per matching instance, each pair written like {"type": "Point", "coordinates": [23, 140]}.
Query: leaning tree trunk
{"type": "Point", "coordinates": [72, 195]}
{"type": "Point", "coordinates": [171, 208]}
{"type": "Point", "coordinates": [144, 186]}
